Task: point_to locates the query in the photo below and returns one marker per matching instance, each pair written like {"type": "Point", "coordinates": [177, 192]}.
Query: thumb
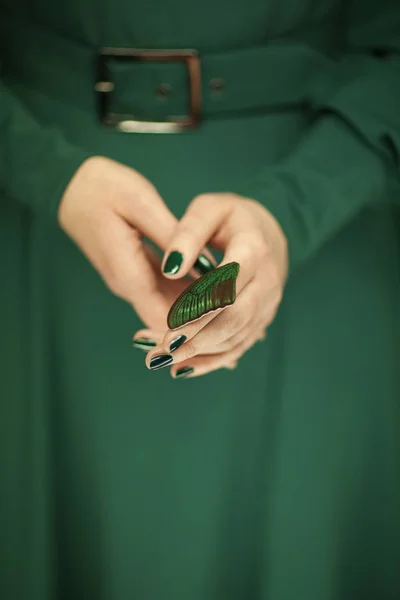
{"type": "Point", "coordinates": [203, 218]}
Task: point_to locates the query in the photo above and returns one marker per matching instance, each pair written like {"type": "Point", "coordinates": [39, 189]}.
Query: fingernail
{"type": "Point", "coordinates": [183, 372]}
{"type": "Point", "coordinates": [177, 342]}
{"type": "Point", "coordinates": [160, 361]}
{"type": "Point", "coordinates": [173, 263]}
{"type": "Point", "coordinates": [144, 343]}
{"type": "Point", "coordinates": [203, 264]}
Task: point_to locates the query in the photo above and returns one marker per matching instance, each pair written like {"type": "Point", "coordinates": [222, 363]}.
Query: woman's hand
{"type": "Point", "coordinates": [106, 210]}
{"type": "Point", "coordinates": [250, 235]}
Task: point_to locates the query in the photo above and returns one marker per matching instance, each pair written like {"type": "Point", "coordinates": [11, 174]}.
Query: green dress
{"type": "Point", "coordinates": [280, 480]}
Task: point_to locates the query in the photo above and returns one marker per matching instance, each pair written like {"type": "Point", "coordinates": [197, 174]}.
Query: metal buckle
{"type": "Point", "coordinates": [128, 123]}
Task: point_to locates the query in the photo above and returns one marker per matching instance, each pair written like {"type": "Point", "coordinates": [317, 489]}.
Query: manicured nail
{"type": "Point", "coordinates": [160, 361]}
{"type": "Point", "coordinates": [203, 264]}
{"type": "Point", "coordinates": [144, 343]}
{"type": "Point", "coordinates": [177, 342]}
{"type": "Point", "coordinates": [173, 263]}
{"type": "Point", "coordinates": [183, 372]}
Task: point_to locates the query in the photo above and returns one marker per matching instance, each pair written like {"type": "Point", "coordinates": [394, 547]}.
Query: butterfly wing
{"type": "Point", "coordinates": [215, 289]}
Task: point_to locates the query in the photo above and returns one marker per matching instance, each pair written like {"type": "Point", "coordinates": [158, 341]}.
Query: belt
{"type": "Point", "coordinates": [161, 90]}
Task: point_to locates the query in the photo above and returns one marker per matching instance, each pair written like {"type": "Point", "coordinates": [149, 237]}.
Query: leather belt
{"type": "Point", "coordinates": [161, 90]}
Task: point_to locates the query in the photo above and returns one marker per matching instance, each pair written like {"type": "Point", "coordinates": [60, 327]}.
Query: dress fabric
{"type": "Point", "coordinates": [279, 480]}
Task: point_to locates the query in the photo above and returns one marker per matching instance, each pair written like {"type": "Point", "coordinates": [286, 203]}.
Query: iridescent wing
{"type": "Point", "coordinates": [215, 289]}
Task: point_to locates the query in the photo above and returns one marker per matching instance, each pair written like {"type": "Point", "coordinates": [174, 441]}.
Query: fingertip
{"type": "Point", "coordinates": [182, 372]}
{"type": "Point", "coordinates": [158, 361]}
{"type": "Point", "coordinates": [146, 340]}
{"type": "Point", "coordinates": [177, 263]}
{"type": "Point", "coordinates": [177, 342]}
{"type": "Point", "coordinates": [172, 264]}
{"type": "Point", "coordinates": [143, 333]}
{"type": "Point", "coordinates": [203, 264]}
{"type": "Point", "coordinates": [144, 343]}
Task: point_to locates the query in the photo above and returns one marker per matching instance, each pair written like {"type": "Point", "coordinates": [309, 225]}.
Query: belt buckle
{"type": "Point", "coordinates": [128, 123]}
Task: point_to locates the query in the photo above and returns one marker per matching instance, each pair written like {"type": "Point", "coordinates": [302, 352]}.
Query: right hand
{"type": "Point", "coordinates": [106, 209]}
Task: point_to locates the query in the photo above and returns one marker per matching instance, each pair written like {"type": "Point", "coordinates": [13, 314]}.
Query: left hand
{"type": "Point", "coordinates": [248, 234]}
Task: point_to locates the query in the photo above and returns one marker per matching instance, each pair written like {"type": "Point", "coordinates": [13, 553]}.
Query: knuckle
{"type": "Point", "coordinates": [254, 303]}
{"type": "Point", "coordinates": [258, 242]}
{"type": "Point", "coordinates": [275, 288]}
{"type": "Point", "coordinates": [235, 321]}
{"type": "Point", "coordinates": [115, 285]}
{"type": "Point", "coordinates": [271, 316]}
{"type": "Point", "coordinates": [278, 294]}
{"type": "Point", "coordinates": [237, 353]}
{"type": "Point", "coordinates": [231, 365]}
{"type": "Point", "coordinates": [187, 233]}
{"type": "Point", "coordinates": [244, 241]}
{"type": "Point", "coordinates": [235, 340]}
{"type": "Point", "coordinates": [109, 274]}
{"type": "Point", "coordinates": [245, 346]}
{"type": "Point", "coordinates": [226, 346]}
{"type": "Point", "coordinates": [135, 243]}
{"type": "Point", "coordinates": [201, 201]}
{"type": "Point", "coordinates": [115, 281]}
{"type": "Point", "coordinates": [136, 239]}
{"type": "Point", "coordinates": [220, 202]}
{"type": "Point", "coordinates": [189, 349]}
{"type": "Point", "coordinates": [272, 311]}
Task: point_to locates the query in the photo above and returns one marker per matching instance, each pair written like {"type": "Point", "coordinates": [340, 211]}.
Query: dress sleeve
{"type": "Point", "coordinates": [36, 162]}
{"type": "Point", "coordinates": [349, 158]}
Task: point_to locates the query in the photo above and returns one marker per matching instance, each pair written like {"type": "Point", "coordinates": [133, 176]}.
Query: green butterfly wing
{"type": "Point", "coordinates": [215, 289]}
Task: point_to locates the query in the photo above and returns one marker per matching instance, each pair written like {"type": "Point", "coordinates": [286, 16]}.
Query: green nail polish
{"type": "Point", "coordinates": [177, 342]}
{"type": "Point", "coordinates": [173, 263]}
{"type": "Point", "coordinates": [203, 264]}
{"type": "Point", "coordinates": [160, 361]}
{"type": "Point", "coordinates": [144, 343]}
{"type": "Point", "coordinates": [183, 372]}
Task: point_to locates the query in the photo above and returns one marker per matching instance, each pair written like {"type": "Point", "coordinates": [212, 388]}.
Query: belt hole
{"type": "Point", "coordinates": [163, 91]}
{"type": "Point", "coordinates": [217, 85]}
